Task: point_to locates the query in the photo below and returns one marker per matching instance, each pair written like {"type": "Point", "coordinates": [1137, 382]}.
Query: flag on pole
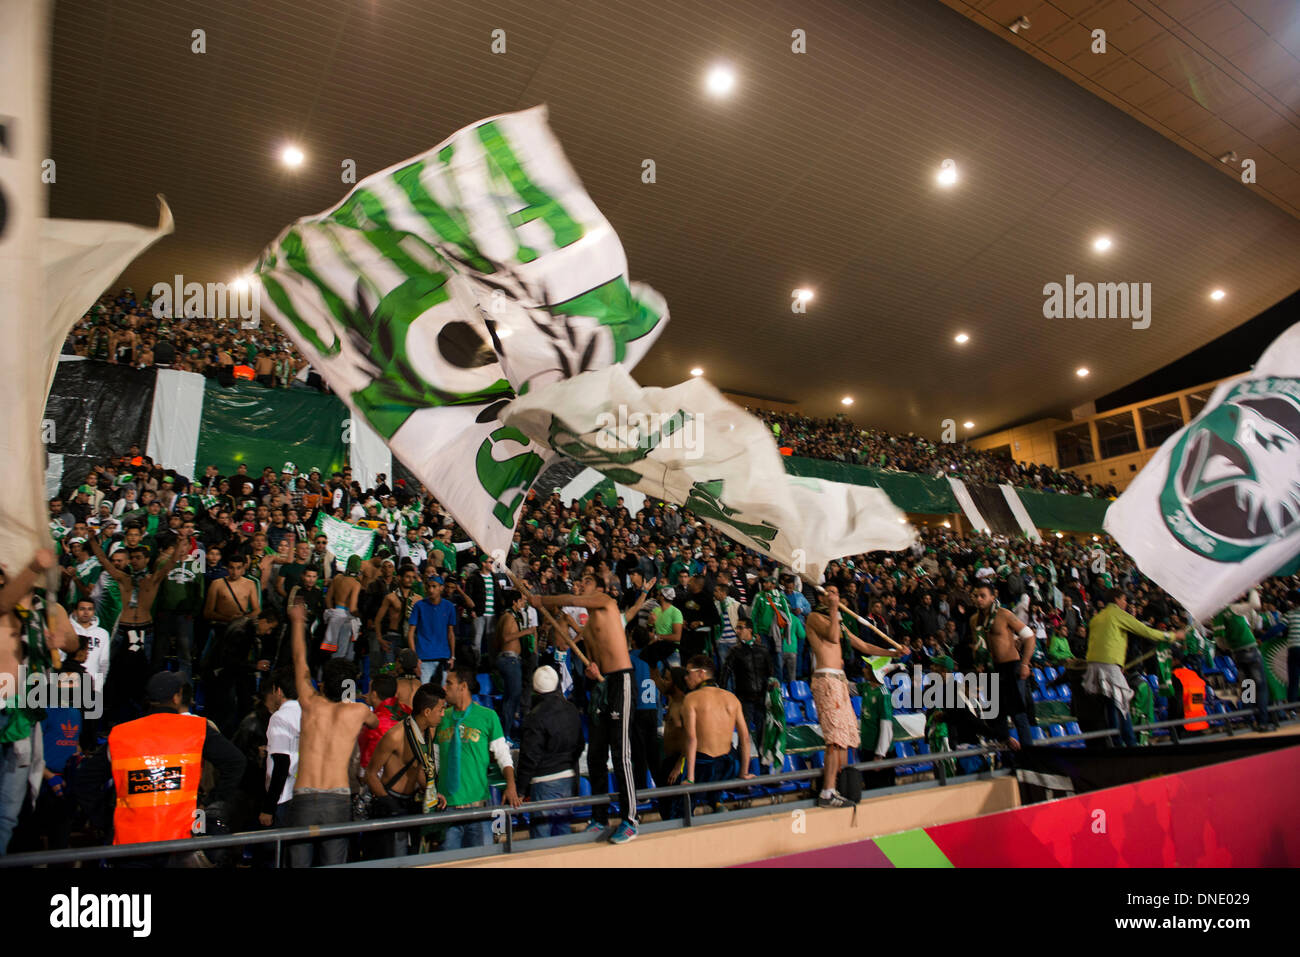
{"type": "Point", "coordinates": [473, 306]}
{"type": "Point", "coordinates": [1217, 510]}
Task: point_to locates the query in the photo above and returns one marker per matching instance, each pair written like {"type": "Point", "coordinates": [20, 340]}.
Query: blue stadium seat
{"type": "Point", "coordinates": [923, 748]}
{"type": "Point", "coordinates": [1072, 727]}
{"type": "Point", "coordinates": [793, 713]}
{"type": "Point", "coordinates": [1064, 691]}
{"type": "Point", "coordinates": [1228, 668]}
{"type": "Point", "coordinates": [1037, 734]}
{"type": "Point", "coordinates": [1015, 734]}
{"type": "Point", "coordinates": [817, 759]}
{"type": "Point", "coordinates": [810, 710]}
{"type": "Point", "coordinates": [1036, 695]}
{"type": "Point", "coordinates": [903, 749]}
{"type": "Point", "coordinates": [1056, 731]}
{"type": "Point", "coordinates": [857, 705]}
{"type": "Point", "coordinates": [800, 691]}
{"type": "Point", "coordinates": [1038, 677]}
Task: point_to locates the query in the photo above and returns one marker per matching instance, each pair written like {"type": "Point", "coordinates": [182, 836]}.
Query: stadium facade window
{"type": "Point", "coordinates": [1196, 402]}
{"type": "Point", "coordinates": [1074, 446]}
{"type": "Point", "coordinates": [1117, 435]}
{"type": "Point", "coordinates": [1159, 421]}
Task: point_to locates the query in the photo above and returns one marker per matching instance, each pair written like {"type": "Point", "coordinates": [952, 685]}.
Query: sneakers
{"type": "Point", "coordinates": [593, 826]}
{"type": "Point", "coordinates": [624, 833]}
{"type": "Point", "coordinates": [835, 800]}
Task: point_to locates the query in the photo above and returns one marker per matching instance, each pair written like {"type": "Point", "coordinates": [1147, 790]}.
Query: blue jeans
{"type": "Point", "coordinates": [428, 669]}
{"type": "Point", "coordinates": [15, 763]}
{"type": "Point", "coordinates": [178, 628]}
{"type": "Point", "coordinates": [512, 677]}
{"type": "Point", "coordinates": [1121, 722]}
{"type": "Point", "coordinates": [469, 834]}
{"type": "Point", "coordinates": [1251, 665]}
{"type": "Point", "coordinates": [558, 821]}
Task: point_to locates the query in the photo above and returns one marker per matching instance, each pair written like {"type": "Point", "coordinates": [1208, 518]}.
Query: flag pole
{"type": "Point", "coordinates": [858, 618]}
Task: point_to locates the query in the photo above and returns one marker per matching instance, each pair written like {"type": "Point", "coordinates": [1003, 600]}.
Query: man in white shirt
{"type": "Point", "coordinates": [85, 623]}
{"type": "Point", "coordinates": [281, 747]}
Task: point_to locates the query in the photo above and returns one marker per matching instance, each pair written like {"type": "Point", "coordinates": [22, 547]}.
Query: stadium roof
{"type": "Point", "coordinates": [817, 171]}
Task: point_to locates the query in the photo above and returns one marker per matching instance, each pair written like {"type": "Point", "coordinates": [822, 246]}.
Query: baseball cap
{"type": "Point", "coordinates": [545, 680]}
{"type": "Point", "coordinates": [668, 592]}
{"type": "Point", "coordinates": [163, 686]}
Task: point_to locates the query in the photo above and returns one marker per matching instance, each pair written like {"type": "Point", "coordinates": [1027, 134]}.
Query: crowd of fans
{"type": "Point", "coordinates": [188, 590]}
{"type": "Point", "coordinates": [122, 330]}
{"type": "Point", "coordinates": [840, 440]}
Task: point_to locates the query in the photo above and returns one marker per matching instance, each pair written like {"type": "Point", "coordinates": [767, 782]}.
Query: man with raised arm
{"type": "Point", "coordinates": [830, 689]}
{"type": "Point", "coordinates": [330, 725]}
{"type": "Point", "coordinates": [610, 660]}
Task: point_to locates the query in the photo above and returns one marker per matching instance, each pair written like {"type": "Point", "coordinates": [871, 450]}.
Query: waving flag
{"type": "Point", "coordinates": [394, 296]}
{"type": "Point", "coordinates": [474, 307]}
{"type": "Point", "coordinates": [687, 444]}
{"type": "Point", "coordinates": [772, 736]}
{"type": "Point", "coordinates": [1217, 510]}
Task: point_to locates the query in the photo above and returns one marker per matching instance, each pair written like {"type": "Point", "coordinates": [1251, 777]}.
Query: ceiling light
{"type": "Point", "coordinates": [1021, 24]}
{"type": "Point", "coordinates": [1081, 371]}
{"type": "Point", "coordinates": [962, 338]}
{"type": "Point", "coordinates": [968, 425]}
{"type": "Point", "coordinates": [697, 371]}
{"type": "Point", "coordinates": [1229, 157]}
{"type": "Point", "coordinates": [847, 400]}
{"type": "Point", "coordinates": [1101, 243]}
{"type": "Point", "coordinates": [947, 173]}
{"type": "Point", "coordinates": [1095, 538]}
{"type": "Point", "coordinates": [1059, 535]}
{"type": "Point", "coordinates": [947, 524]}
{"type": "Point", "coordinates": [1217, 295]}
{"type": "Point", "coordinates": [803, 295]}
{"type": "Point", "coordinates": [292, 156]}
{"type": "Point", "coordinates": [720, 80]}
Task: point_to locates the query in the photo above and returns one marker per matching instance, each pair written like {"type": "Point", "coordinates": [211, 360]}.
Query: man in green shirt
{"type": "Point", "coordinates": [443, 544]}
{"type": "Point", "coordinates": [1232, 631]}
{"type": "Point", "coordinates": [877, 727]}
{"type": "Point", "coordinates": [668, 622]}
{"type": "Point", "coordinates": [467, 736]}
{"type": "Point", "coordinates": [1107, 646]}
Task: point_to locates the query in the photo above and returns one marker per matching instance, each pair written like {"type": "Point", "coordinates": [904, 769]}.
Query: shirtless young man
{"type": "Point", "coordinates": [390, 621]}
{"type": "Point", "coordinates": [709, 716]}
{"type": "Point", "coordinates": [402, 766]}
{"type": "Point", "coordinates": [341, 622]}
{"type": "Point", "coordinates": [139, 588]}
{"type": "Point", "coordinates": [1002, 631]}
{"type": "Point", "coordinates": [830, 689]}
{"type": "Point", "coordinates": [330, 726]}
{"type": "Point", "coordinates": [610, 659]}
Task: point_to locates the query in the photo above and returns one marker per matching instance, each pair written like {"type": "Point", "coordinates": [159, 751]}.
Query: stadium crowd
{"type": "Point", "coordinates": [221, 595]}
{"type": "Point", "coordinates": [123, 330]}
{"type": "Point", "coordinates": [840, 440]}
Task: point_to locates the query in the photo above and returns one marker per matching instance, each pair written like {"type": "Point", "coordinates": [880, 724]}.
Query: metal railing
{"type": "Point", "coordinates": [505, 813]}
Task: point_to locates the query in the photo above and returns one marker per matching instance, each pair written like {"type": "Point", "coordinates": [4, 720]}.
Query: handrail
{"type": "Point", "coordinates": [409, 822]}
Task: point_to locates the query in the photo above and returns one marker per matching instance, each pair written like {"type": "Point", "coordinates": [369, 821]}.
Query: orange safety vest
{"type": "Point", "coordinates": [157, 762]}
{"type": "Point", "coordinates": [244, 372]}
{"type": "Point", "coordinates": [1193, 697]}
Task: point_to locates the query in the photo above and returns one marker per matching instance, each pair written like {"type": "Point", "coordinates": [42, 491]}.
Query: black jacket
{"type": "Point", "coordinates": [749, 666]}
{"type": "Point", "coordinates": [551, 740]}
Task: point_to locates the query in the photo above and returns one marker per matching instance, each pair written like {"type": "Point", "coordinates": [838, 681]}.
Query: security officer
{"type": "Point", "coordinates": [156, 764]}
{"type": "Point", "coordinates": [1188, 699]}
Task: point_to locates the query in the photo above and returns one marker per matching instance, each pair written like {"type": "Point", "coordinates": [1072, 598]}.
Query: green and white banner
{"type": "Point", "coordinates": [688, 444]}
{"type": "Point", "coordinates": [345, 540]}
{"type": "Point", "coordinates": [443, 288]}
{"type": "Point", "coordinates": [1217, 510]}
{"type": "Point", "coordinates": [440, 287]}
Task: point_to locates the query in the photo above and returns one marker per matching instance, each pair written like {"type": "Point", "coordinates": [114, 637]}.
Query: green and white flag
{"type": "Point", "coordinates": [1217, 510]}
{"type": "Point", "coordinates": [345, 540]}
{"type": "Point", "coordinates": [773, 737]}
{"type": "Point", "coordinates": [687, 444]}
{"type": "Point", "coordinates": [442, 286]}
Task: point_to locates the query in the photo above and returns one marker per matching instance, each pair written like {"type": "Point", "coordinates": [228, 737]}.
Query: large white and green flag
{"type": "Point", "coordinates": [1217, 510]}
{"type": "Point", "coordinates": [442, 286]}
{"type": "Point", "coordinates": [690, 445]}
{"type": "Point", "coordinates": [474, 307]}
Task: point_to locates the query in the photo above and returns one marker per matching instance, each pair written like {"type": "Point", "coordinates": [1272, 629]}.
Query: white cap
{"type": "Point", "coordinates": [545, 680]}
